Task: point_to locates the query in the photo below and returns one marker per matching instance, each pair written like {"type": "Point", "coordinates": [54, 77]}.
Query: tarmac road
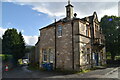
{"type": "Point", "coordinates": [23, 72]}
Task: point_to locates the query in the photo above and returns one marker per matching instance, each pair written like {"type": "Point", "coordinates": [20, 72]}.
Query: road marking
{"type": "Point", "coordinates": [111, 72]}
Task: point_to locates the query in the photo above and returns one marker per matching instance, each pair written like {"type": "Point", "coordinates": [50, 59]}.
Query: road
{"type": "Point", "coordinates": [23, 72]}
{"type": "Point", "coordinates": [0, 67]}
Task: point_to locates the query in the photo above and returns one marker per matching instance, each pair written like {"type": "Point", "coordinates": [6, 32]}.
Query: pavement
{"type": "Point", "coordinates": [114, 73]}
{"type": "Point", "coordinates": [23, 72]}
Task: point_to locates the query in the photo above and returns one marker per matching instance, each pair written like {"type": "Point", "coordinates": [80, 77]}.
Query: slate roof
{"type": "Point", "coordinates": [90, 19]}
{"type": "Point", "coordinates": [64, 20]}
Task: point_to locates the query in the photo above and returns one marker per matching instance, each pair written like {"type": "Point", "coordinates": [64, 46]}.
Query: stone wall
{"type": "Point", "coordinates": [63, 44]}
{"type": "Point", "coordinates": [85, 44]}
{"type": "Point", "coordinates": [76, 45]}
{"type": "Point", "coordinates": [47, 41]}
{"type": "Point", "coordinates": [32, 55]}
{"type": "Point", "coordinates": [64, 51]}
{"type": "Point", "coordinates": [37, 52]}
{"type": "Point", "coordinates": [64, 47]}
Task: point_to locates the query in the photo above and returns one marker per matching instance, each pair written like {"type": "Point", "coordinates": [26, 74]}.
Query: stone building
{"type": "Point", "coordinates": [72, 43]}
{"type": "Point", "coordinates": [37, 51]}
{"type": "Point", "coordinates": [34, 53]}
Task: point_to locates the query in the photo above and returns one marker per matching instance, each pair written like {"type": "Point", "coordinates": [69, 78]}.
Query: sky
{"type": "Point", "coordinates": [28, 17]}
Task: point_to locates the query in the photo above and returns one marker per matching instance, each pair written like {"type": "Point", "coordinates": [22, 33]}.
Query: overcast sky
{"type": "Point", "coordinates": [28, 17]}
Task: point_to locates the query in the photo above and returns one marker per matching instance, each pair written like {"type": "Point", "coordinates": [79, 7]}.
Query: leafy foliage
{"type": "Point", "coordinates": [5, 57]}
{"type": "Point", "coordinates": [111, 28]}
{"type": "Point", "coordinates": [13, 43]}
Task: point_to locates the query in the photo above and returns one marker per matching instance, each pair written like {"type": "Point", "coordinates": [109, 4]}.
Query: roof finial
{"type": "Point", "coordinates": [68, 1]}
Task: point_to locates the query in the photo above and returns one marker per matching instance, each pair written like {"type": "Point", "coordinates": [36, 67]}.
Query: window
{"type": "Point", "coordinates": [87, 31]}
{"type": "Point", "coordinates": [93, 56]}
{"type": "Point", "coordinates": [50, 56]}
{"type": "Point", "coordinates": [59, 33]}
{"type": "Point", "coordinates": [82, 27]}
{"type": "Point", "coordinates": [88, 50]}
{"type": "Point", "coordinates": [44, 55]}
{"type": "Point", "coordinates": [96, 27]}
{"type": "Point", "coordinates": [88, 58]}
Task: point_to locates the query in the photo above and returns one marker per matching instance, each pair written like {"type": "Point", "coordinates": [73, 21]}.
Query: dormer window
{"type": "Point", "coordinates": [59, 32]}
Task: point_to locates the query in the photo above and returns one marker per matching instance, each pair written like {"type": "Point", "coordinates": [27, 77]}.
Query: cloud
{"type": "Point", "coordinates": [2, 30]}
{"type": "Point", "coordinates": [52, 9]}
{"type": "Point", "coordinates": [60, 0]}
{"type": "Point", "coordinates": [39, 14]}
{"type": "Point", "coordinates": [29, 40]}
{"type": "Point", "coordinates": [102, 8]}
{"type": "Point", "coordinates": [22, 31]}
{"type": "Point", "coordinates": [83, 9]}
{"type": "Point", "coordinates": [57, 10]}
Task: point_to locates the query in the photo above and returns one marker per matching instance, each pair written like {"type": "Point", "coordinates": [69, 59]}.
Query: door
{"type": "Point", "coordinates": [96, 59]}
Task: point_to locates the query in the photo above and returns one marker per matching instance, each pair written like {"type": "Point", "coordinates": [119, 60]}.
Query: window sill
{"type": "Point", "coordinates": [45, 61]}
{"type": "Point", "coordinates": [59, 36]}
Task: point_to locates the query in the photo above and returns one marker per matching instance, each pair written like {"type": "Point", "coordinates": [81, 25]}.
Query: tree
{"type": "Point", "coordinates": [111, 28]}
{"type": "Point", "coordinates": [21, 45]}
{"type": "Point", "coordinates": [13, 43]}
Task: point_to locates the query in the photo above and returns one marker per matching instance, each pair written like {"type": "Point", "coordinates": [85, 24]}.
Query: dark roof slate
{"type": "Point", "coordinates": [83, 20]}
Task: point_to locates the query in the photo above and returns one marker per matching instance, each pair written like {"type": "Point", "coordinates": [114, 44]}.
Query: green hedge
{"type": "Point", "coordinates": [5, 57]}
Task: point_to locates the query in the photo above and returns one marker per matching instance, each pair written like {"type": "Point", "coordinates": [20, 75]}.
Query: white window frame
{"type": "Point", "coordinates": [87, 31]}
{"type": "Point", "coordinates": [44, 54]}
{"type": "Point", "coordinates": [50, 56]}
{"type": "Point", "coordinates": [59, 31]}
{"type": "Point", "coordinates": [88, 58]}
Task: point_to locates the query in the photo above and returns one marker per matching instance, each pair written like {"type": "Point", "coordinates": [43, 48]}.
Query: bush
{"type": "Point", "coordinates": [108, 54]}
{"type": "Point", "coordinates": [117, 57]}
{"type": "Point", "coordinates": [6, 57]}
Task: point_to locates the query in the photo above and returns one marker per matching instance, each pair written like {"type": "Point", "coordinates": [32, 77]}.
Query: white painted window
{"type": "Point", "coordinates": [88, 58]}
{"type": "Point", "coordinates": [93, 56]}
{"type": "Point", "coordinates": [82, 27]}
{"type": "Point", "coordinates": [44, 55]}
{"type": "Point", "coordinates": [87, 31]}
{"type": "Point", "coordinates": [88, 50]}
{"type": "Point", "coordinates": [59, 33]}
{"type": "Point", "coordinates": [51, 55]}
